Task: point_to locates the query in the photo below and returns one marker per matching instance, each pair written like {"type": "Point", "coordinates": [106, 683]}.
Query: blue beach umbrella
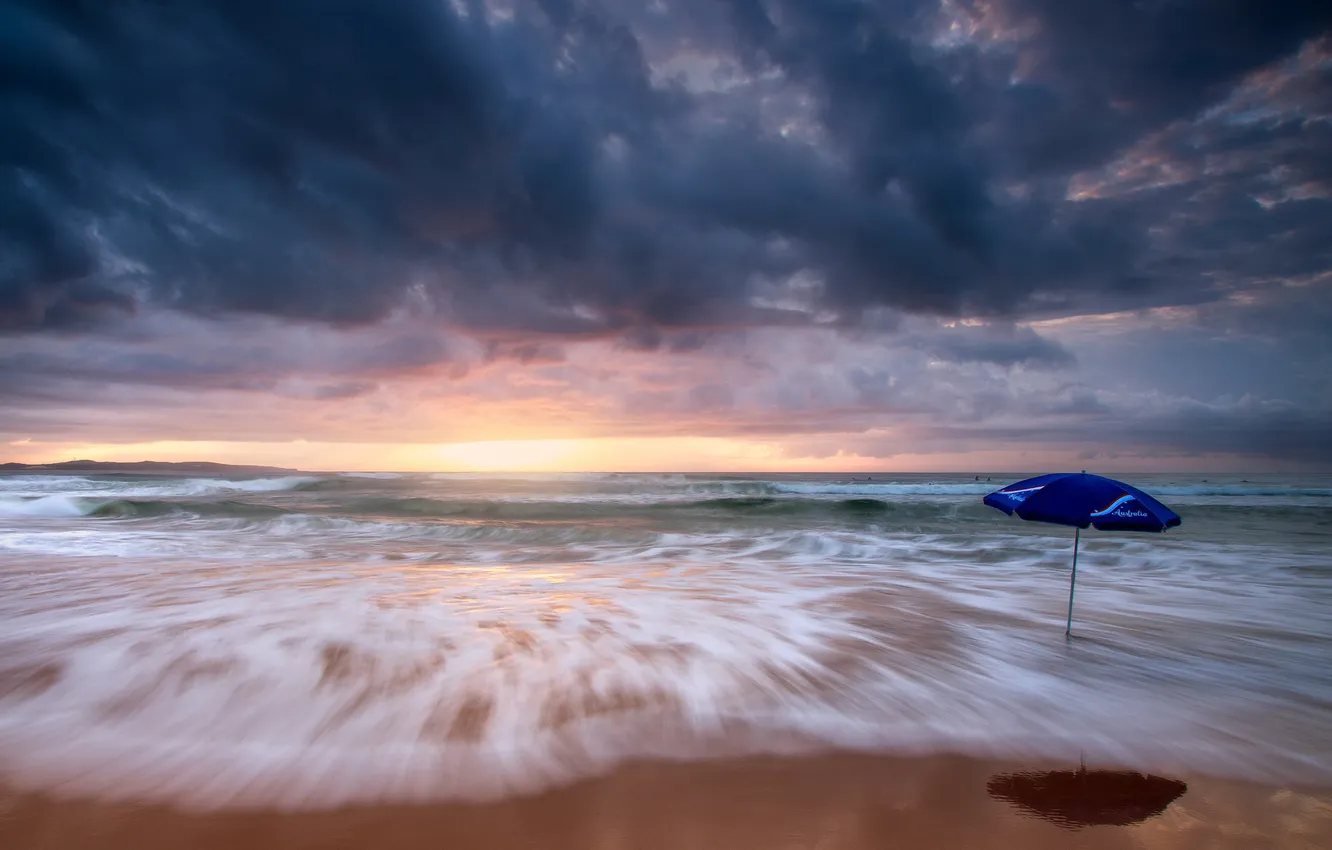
{"type": "Point", "coordinates": [1082, 500]}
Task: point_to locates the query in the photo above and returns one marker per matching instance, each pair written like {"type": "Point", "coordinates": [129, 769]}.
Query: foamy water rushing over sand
{"type": "Point", "coordinates": [314, 640]}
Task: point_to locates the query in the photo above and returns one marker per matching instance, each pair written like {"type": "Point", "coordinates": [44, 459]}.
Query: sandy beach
{"type": "Point", "coordinates": [841, 802]}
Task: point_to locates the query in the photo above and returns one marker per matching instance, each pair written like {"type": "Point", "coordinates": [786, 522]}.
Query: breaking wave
{"type": "Point", "coordinates": [43, 506]}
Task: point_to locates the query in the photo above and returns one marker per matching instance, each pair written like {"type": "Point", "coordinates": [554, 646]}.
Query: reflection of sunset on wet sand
{"type": "Point", "coordinates": [830, 803]}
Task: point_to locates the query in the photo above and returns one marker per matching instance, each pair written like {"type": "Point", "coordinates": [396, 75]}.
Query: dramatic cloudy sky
{"type": "Point", "coordinates": [673, 234]}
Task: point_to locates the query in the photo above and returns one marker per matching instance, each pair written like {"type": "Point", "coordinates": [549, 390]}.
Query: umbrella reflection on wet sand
{"type": "Point", "coordinates": [1077, 798]}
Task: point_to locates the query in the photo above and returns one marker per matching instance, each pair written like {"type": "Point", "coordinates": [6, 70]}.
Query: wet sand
{"type": "Point", "coordinates": [832, 803]}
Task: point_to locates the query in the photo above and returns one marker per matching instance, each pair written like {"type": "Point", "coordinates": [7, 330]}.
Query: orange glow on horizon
{"type": "Point", "coordinates": [507, 455]}
{"type": "Point", "coordinates": [606, 454]}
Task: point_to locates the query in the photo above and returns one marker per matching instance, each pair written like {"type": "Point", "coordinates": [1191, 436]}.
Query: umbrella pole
{"type": "Point", "coordinates": [1072, 580]}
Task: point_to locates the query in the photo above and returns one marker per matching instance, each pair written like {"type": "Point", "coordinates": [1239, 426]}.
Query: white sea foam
{"type": "Point", "coordinates": [868, 489]}
{"type": "Point", "coordinates": [326, 655]}
{"type": "Point", "coordinates": [68, 496]}
{"type": "Point", "coordinates": [291, 679]}
{"type": "Point", "coordinates": [1240, 490]}
{"type": "Point", "coordinates": [887, 489]}
{"type": "Point", "coordinates": [43, 506]}
{"type": "Point", "coordinates": [45, 483]}
{"type": "Point", "coordinates": [184, 487]}
{"type": "Point", "coordinates": [144, 488]}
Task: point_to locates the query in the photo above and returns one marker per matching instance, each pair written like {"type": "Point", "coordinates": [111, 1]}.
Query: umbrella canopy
{"type": "Point", "coordinates": [1082, 501]}
{"type": "Point", "coordinates": [1074, 799]}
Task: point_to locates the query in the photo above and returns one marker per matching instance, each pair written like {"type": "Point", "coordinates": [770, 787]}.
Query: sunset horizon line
{"type": "Point", "coordinates": [69, 464]}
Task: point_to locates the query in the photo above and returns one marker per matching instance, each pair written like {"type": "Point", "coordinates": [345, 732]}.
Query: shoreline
{"type": "Point", "coordinates": [828, 801]}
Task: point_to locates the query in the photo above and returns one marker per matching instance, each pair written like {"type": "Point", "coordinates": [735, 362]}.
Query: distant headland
{"type": "Point", "coordinates": [147, 467]}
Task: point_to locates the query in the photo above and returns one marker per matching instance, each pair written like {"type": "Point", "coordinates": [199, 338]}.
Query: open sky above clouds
{"type": "Point", "coordinates": [682, 234]}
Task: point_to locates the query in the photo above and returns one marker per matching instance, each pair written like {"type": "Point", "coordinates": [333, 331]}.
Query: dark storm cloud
{"type": "Point", "coordinates": [1000, 345]}
{"type": "Point", "coordinates": [254, 355]}
{"type": "Point", "coordinates": [944, 130]}
{"type": "Point", "coordinates": [334, 160]}
{"type": "Point", "coordinates": [1102, 72]}
{"type": "Point", "coordinates": [303, 159]}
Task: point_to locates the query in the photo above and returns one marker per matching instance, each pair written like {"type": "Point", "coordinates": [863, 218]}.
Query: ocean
{"type": "Point", "coordinates": [315, 640]}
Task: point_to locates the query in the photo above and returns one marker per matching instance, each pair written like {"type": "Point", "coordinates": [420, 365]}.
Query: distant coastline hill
{"type": "Point", "coordinates": [147, 467]}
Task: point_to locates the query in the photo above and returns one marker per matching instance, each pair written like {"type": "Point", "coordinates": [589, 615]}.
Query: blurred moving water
{"type": "Point", "coordinates": [313, 640]}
